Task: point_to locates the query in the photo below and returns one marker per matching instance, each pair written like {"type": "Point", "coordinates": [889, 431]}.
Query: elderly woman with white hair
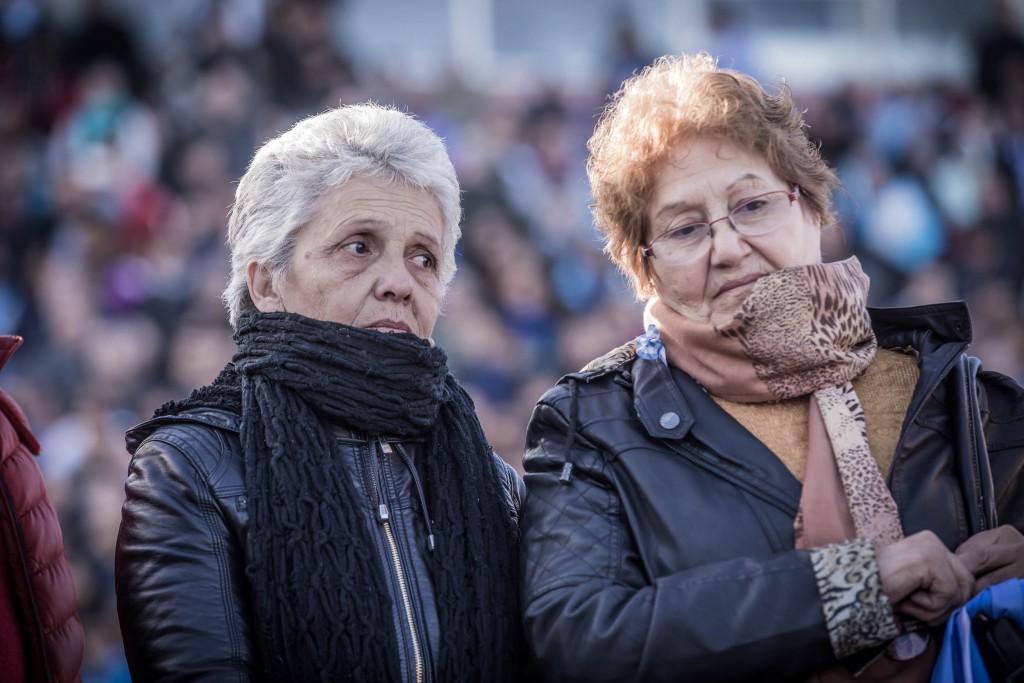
{"type": "Point", "coordinates": [328, 508]}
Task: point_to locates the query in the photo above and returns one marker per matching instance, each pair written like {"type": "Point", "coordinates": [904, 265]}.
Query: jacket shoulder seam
{"type": "Point", "coordinates": [170, 436]}
{"type": "Point", "coordinates": [608, 363]}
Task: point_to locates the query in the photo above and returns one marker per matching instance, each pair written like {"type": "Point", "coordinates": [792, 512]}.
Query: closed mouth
{"type": "Point", "coordinates": [739, 282]}
{"type": "Point", "coordinates": [390, 326]}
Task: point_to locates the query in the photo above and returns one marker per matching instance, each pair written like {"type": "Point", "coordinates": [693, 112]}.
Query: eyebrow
{"type": "Point", "coordinates": [429, 238]}
{"type": "Point", "coordinates": [360, 223]}
{"type": "Point", "coordinates": [675, 207]}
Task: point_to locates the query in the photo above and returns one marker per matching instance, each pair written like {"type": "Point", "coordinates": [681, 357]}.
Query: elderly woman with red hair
{"type": "Point", "coordinates": [773, 482]}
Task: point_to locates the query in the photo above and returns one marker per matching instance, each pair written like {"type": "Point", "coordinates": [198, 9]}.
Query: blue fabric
{"type": "Point", "coordinates": [959, 659]}
{"type": "Point", "coordinates": [650, 346]}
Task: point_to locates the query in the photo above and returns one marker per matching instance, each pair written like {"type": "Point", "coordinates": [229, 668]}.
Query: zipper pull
{"type": "Point", "coordinates": [383, 514]}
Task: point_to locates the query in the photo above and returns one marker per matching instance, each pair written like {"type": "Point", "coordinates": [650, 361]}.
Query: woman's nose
{"type": "Point", "coordinates": [727, 244]}
{"type": "Point", "coordinates": [394, 281]}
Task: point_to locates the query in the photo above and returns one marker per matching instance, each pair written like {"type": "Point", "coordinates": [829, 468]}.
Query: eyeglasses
{"type": "Point", "coordinates": [756, 216]}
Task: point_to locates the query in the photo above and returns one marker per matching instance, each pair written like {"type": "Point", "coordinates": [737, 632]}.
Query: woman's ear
{"type": "Point", "coordinates": [261, 288]}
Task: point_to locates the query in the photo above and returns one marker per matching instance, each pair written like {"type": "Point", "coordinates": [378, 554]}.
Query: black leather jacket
{"type": "Point", "coordinates": [182, 594]}
{"type": "Point", "coordinates": [667, 552]}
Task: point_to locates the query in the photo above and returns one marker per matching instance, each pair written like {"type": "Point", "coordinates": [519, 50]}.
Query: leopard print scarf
{"type": "Point", "coordinates": [802, 331]}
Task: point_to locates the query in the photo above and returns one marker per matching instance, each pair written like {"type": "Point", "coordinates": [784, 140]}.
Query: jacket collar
{"type": "Point", "coordinates": [9, 408]}
{"type": "Point", "coordinates": [210, 417]}
{"type": "Point", "coordinates": [659, 401]}
{"type": "Point", "coordinates": [8, 345]}
{"type": "Point", "coordinates": [668, 401]}
{"type": "Point", "coordinates": [909, 326]}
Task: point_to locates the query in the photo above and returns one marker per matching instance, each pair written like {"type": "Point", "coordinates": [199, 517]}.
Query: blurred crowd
{"type": "Point", "coordinates": [117, 164]}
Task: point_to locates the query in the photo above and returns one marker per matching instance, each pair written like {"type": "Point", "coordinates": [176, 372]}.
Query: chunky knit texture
{"type": "Point", "coordinates": [321, 605]}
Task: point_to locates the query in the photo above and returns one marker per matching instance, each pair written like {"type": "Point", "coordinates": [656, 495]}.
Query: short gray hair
{"type": "Point", "coordinates": [280, 191]}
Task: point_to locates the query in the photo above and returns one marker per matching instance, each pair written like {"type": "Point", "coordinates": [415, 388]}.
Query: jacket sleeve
{"type": "Point", "coordinates": [512, 487]}
{"type": "Point", "coordinates": [592, 612]}
{"type": "Point", "coordinates": [32, 548]}
{"type": "Point", "coordinates": [179, 567]}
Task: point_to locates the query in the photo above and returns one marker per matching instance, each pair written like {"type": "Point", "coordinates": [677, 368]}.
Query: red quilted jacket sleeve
{"type": "Point", "coordinates": [33, 543]}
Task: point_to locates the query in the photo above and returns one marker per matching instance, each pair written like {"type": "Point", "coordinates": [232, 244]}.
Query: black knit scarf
{"type": "Point", "coordinates": [320, 600]}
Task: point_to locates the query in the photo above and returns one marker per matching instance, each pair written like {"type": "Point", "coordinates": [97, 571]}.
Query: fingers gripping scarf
{"type": "Point", "coordinates": [801, 331]}
{"type": "Point", "coordinates": [321, 602]}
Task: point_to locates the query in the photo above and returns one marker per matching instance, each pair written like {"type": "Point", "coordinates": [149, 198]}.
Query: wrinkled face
{"type": "Point", "coordinates": [369, 258]}
{"type": "Point", "coordinates": [703, 180]}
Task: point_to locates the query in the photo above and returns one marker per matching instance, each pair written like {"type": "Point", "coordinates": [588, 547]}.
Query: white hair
{"type": "Point", "coordinates": [280, 191]}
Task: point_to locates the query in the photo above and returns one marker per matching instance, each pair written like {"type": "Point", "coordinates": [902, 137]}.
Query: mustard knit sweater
{"type": "Point", "coordinates": [884, 390]}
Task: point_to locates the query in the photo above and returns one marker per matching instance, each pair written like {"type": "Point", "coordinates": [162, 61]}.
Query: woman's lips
{"type": "Point", "coordinates": [390, 326]}
{"type": "Point", "coordinates": [738, 282]}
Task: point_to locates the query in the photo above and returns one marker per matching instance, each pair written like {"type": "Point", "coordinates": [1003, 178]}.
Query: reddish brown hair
{"type": "Point", "coordinates": [685, 97]}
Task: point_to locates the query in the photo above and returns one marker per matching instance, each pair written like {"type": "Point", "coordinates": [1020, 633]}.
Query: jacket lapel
{"type": "Point", "coordinates": [672, 406]}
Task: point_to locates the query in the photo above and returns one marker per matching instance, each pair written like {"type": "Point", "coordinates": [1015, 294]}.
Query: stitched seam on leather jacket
{"type": "Point", "coordinates": [207, 507]}
{"type": "Point", "coordinates": [513, 494]}
{"type": "Point", "coordinates": [207, 496]}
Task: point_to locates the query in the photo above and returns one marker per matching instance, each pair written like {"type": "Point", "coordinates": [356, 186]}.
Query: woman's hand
{"type": "Point", "coordinates": [993, 556]}
{"type": "Point", "coordinates": [923, 579]}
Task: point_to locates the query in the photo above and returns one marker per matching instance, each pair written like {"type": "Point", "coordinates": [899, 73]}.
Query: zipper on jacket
{"type": "Point", "coordinates": [979, 495]}
{"type": "Point", "coordinates": [419, 493]}
{"type": "Point", "coordinates": [36, 644]}
{"type": "Point", "coordinates": [940, 376]}
{"type": "Point", "coordinates": [384, 519]}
